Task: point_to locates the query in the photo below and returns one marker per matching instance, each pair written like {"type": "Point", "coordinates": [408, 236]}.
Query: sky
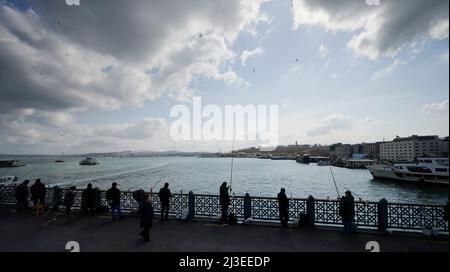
{"type": "Point", "coordinates": [103, 76]}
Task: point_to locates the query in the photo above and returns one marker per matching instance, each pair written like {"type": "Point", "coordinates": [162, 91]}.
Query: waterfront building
{"type": "Point", "coordinates": [341, 151]}
{"type": "Point", "coordinates": [359, 163]}
{"type": "Point", "coordinates": [407, 149]}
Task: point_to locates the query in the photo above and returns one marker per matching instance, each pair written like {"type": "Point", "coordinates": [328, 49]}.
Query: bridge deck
{"type": "Point", "coordinates": [20, 232]}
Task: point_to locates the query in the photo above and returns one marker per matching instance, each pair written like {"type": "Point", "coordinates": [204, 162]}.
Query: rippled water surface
{"type": "Point", "coordinates": [205, 175]}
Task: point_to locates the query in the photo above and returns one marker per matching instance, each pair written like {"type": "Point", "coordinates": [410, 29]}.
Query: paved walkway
{"type": "Point", "coordinates": [20, 232]}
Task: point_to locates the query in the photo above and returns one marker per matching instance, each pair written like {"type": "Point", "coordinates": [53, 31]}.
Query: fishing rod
{"type": "Point", "coordinates": [334, 180]}
{"type": "Point", "coordinates": [358, 196]}
{"type": "Point", "coordinates": [161, 179]}
{"type": "Point", "coordinates": [232, 164]}
{"type": "Point", "coordinates": [231, 172]}
{"type": "Point", "coordinates": [29, 172]}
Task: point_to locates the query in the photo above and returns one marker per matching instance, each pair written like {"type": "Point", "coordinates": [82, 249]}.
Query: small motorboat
{"type": "Point", "coordinates": [323, 163]}
{"type": "Point", "coordinates": [89, 161]}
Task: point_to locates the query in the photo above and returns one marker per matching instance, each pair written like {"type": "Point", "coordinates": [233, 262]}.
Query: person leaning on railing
{"type": "Point", "coordinates": [113, 197]}
{"type": "Point", "coordinates": [21, 194]}
{"type": "Point", "coordinates": [347, 211]}
{"type": "Point", "coordinates": [164, 196]}
{"type": "Point", "coordinates": [224, 201]}
{"type": "Point", "coordinates": [283, 205]}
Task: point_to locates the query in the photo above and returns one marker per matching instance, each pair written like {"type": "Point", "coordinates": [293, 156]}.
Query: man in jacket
{"type": "Point", "coordinates": [224, 201]}
{"type": "Point", "coordinates": [283, 205]}
{"type": "Point", "coordinates": [21, 195]}
{"type": "Point", "coordinates": [347, 211]}
{"type": "Point", "coordinates": [113, 197]}
{"type": "Point", "coordinates": [38, 192]}
{"type": "Point", "coordinates": [164, 196]}
{"type": "Point", "coordinates": [89, 200]}
{"type": "Point", "coordinates": [146, 218]}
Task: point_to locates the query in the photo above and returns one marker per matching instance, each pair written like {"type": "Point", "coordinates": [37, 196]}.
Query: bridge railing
{"type": "Point", "coordinates": [381, 215]}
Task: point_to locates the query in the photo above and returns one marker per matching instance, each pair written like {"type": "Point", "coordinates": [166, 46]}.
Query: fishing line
{"type": "Point", "coordinates": [29, 172]}
{"type": "Point", "coordinates": [154, 185]}
{"type": "Point", "coordinates": [7, 170]}
{"type": "Point", "coordinates": [334, 180]}
{"type": "Point", "coordinates": [231, 173]}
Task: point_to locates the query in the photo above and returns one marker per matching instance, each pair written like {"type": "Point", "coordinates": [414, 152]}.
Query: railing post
{"type": "Point", "coordinates": [310, 210]}
{"type": "Point", "coordinates": [57, 197]}
{"type": "Point", "coordinates": [247, 206]}
{"type": "Point", "coordinates": [382, 210]}
{"type": "Point", "coordinates": [191, 204]}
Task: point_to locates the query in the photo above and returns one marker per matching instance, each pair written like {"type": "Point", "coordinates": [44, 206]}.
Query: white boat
{"type": "Point", "coordinates": [8, 180]}
{"type": "Point", "coordinates": [426, 170]}
{"type": "Point", "coordinates": [89, 161]}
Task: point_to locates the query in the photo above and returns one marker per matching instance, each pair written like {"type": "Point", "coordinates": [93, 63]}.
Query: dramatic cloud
{"type": "Point", "coordinates": [379, 30]}
{"type": "Point", "coordinates": [248, 54]}
{"type": "Point", "coordinates": [334, 122]}
{"type": "Point", "coordinates": [436, 108]}
{"type": "Point", "coordinates": [388, 69]}
{"type": "Point", "coordinates": [107, 54]}
{"type": "Point", "coordinates": [57, 60]}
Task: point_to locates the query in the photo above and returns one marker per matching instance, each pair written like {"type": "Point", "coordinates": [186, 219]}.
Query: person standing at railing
{"type": "Point", "coordinates": [224, 201]}
{"type": "Point", "coordinates": [138, 196]}
{"type": "Point", "coordinates": [69, 200]}
{"type": "Point", "coordinates": [21, 194]}
{"type": "Point", "coordinates": [283, 205]}
{"type": "Point", "coordinates": [38, 192]}
{"type": "Point", "coordinates": [113, 197]}
{"type": "Point", "coordinates": [164, 196]}
{"type": "Point", "coordinates": [88, 199]}
{"type": "Point", "coordinates": [146, 217]}
{"type": "Point", "coordinates": [347, 211]}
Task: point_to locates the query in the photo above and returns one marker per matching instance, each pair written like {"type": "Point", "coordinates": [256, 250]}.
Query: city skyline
{"type": "Point", "coordinates": [103, 76]}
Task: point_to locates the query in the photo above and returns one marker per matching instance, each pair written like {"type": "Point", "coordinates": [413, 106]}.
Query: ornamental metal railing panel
{"type": "Point", "coordinates": [327, 212]}
{"type": "Point", "coordinates": [398, 215]}
{"type": "Point", "coordinates": [416, 217]}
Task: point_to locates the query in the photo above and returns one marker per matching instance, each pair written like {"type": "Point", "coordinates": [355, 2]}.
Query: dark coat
{"type": "Point", "coordinates": [88, 197]}
{"type": "Point", "coordinates": [69, 199]}
{"type": "Point", "coordinates": [347, 208]}
{"type": "Point", "coordinates": [146, 214]}
{"type": "Point", "coordinates": [38, 191]}
{"type": "Point", "coordinates": [21, 192]}
{"type": "Point", "coordinates": [283, 201]}
{"type": "Point", "coordinates": [113, 196]}
{"type": "Point", "coordinates": [164, 196]}
{"type": "Point", "coordinates": [224, 196]}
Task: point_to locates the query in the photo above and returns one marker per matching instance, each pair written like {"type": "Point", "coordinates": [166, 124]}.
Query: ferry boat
{"type": "Point", "coordinates": [11, 163]}
{"type": "Point", "coordinates": [8, 180]}
{"type": "Point", "coordinates": [89, 161]}
{"type": "Point", "coordinates": [426, 170]}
